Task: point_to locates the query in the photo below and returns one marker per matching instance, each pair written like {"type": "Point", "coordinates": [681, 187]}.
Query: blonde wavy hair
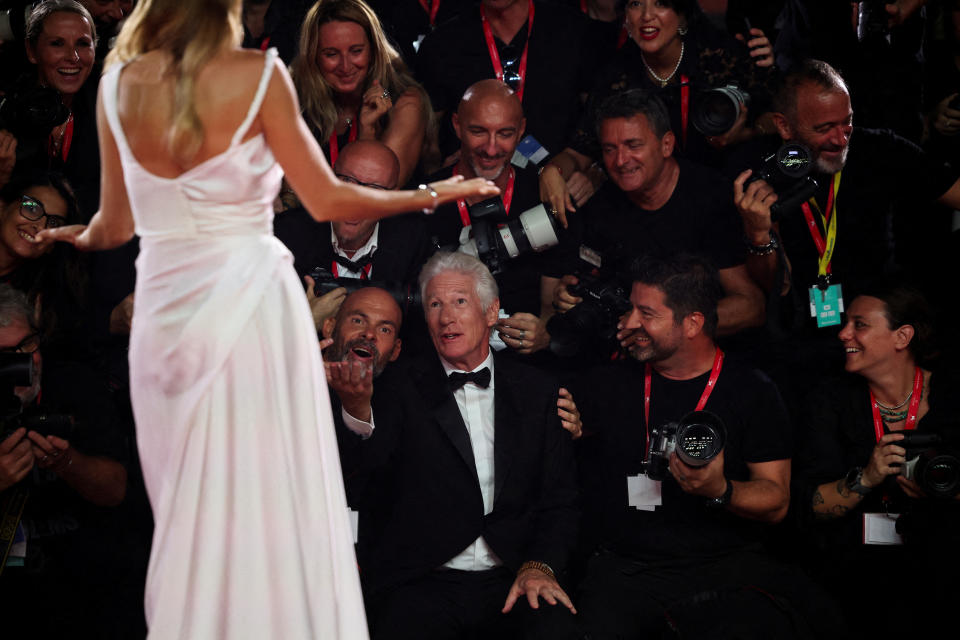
{"type": "Point", "coordinates": [386, 66]}
{"type": "Point", "coordinates": [191, 32]}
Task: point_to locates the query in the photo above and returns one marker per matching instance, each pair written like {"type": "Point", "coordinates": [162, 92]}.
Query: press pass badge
{"type": "Point", "coordinates": [530, 150]}
{"type": "Point", "coordinates": [881, 528]}
{"type": "Point", "coordinates": [826, 305]}
{"type": "Point", "coordinates": [643, 493]}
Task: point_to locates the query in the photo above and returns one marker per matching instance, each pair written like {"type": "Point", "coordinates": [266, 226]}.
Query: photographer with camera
{"type": "Point", "coordinates": [393, 248]}
{"type": "Point", "coordinates": [656, 204]}
{"type": "Point", "coordinates": [861, 465]}
{"type": "Point", "coordinates": [490, 124]}
{"type": "Point", "coordinates": [684, 548]}
{"type": "Point", "coordinates": [61, 471]}
{"type": "Point", "coordinates": [840, 239]}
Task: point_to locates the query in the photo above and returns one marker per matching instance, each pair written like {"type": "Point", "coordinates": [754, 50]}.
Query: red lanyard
{"type": "Point", "coordinates": [912, 411]}
{"type": "Point", "coordinates": [66, 139]}
{"type": "Point", "coordinates": [711, 383]}
{"type": "Point", "coordinates": [831, 210]}
{"type": "Point", "coordinates": [507, 199]}
{"type": "Point", "coordinates": [431, 10]}
{"type": "Point", "coordinates": [495, 55]}
{"type": "Point", "coordinates": [265, 44]}
{"type": "Point", "coordinates": [335, 146]}
{"type": "Point", "coordinates": [684, 106]}
{"type": "Point", "coordinates": [364, 275]}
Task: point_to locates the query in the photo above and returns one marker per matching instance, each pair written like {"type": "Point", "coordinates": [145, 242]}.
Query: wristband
{"type": "Point", "coordinates": [433, 194]}
{"type": "Point", "coordinates": [762, 249]}
{"type": "Point", "coordinates": [724, 499]}
{"type": "Point", "coordinates": [853, 481]}
{"type": "Point", "coordinates": [539, 566]}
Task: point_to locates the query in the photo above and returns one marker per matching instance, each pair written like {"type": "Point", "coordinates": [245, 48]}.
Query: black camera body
{"type": "Point", "coordinates": [13, 19]}
{"type": "Point", "coordinates": [787, 170]}
{"type": "Point", "coordinates": [715, 111]}
{"type": "Point", "coordinates": [606, 297]}
{"type": "Point", "coordinates": [697, 438]}
{"type": "Point", "coordinates": [497, 238]}
{"type": "Point", "coordinates": [933, 462]}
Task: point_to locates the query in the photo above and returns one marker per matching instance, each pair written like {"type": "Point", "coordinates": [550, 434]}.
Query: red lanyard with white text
{"type": "Point", "coordinates": [335, 146]}
{"type": "Point", "coordinates": [825, 247]}
{"type": "Point", "coordinates": [431, 9]}
{"type": "Point", "coordinates": [912, 411]}
{"type": "Point", "coordinates": [711, 383]}
{"type": "Point", "coordinates": [507, 199]}
{"type": "Point", "coordinates": [495, 55]}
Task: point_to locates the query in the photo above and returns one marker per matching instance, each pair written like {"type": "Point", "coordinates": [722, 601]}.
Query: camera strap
{"type": "Point", "coordinates": [825, 247]}
{"type": "Point", "coordinates": [507, 198]}
{"type": "Point", "coordinates": [912, 411]}
{"type": "Point", "coordinates": [431, 7]}
{"type": "Point", "coordinates": [335, 146]}
{"type": "Point", "coordinates": [495, 55]}
{"type": "Point", "coordinates": [711, 383]}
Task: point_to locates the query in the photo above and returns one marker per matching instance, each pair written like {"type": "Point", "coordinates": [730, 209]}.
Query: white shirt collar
{"type": "Point", "coordinates": [368, 248]}
{"type": "Point", "coordinates": [488, 362]}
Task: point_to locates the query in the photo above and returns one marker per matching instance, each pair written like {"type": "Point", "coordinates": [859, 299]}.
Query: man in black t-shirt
{"type": "Point", "coordinates": [873, 170]}
{"type": "Point", "coordinates": [540, 51]}
{"type": "Point", "coordinates": [683, 547]}
{"type": "Point", "coordinates": [657, 205]}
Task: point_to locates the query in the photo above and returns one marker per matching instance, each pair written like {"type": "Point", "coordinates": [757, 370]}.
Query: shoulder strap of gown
{"type": "Point", "coordinates": [109, 86]}
{"type": "Point", "coordinates": [268, 63]}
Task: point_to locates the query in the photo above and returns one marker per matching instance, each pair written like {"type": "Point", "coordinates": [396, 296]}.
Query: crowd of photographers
{"type": "Point", "coordinates": [769, 185]}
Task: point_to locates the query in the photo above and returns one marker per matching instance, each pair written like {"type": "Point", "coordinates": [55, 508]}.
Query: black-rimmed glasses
{"type": "Point", "coordinates": [352, 180]}
{"type": "Point", "coordinates": [33, 210]}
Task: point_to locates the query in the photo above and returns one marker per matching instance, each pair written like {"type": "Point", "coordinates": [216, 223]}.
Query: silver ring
{"type": "Point", "coordinates": [385, 95]}
{"type": "Point", "coordinates": [44, 458]}
{"type": "Point", "coordinates": [523, 334]}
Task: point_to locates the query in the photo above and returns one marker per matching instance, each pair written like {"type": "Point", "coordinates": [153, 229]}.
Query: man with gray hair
{"type": "Point", "coordinates": [469, 506]}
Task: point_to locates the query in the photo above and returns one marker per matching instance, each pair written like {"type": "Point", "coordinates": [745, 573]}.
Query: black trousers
{"type": "Point", "coordinates": [739, 595]}
{"type": "Point", "coordinates": [463, 605]}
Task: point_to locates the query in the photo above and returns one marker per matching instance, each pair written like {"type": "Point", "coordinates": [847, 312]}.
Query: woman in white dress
{"type": "Point", "coordinates": [252, 536]}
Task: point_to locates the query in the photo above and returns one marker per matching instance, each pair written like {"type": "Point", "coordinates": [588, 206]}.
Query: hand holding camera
{"type": "Point", "coordinates": [707, 481]}
{"type": "Point", "coordinates": [946, 118]}
{"type": "Point", "coordinates": [16, 458]}
{"type": "Point", "coordinates": [885, 460]}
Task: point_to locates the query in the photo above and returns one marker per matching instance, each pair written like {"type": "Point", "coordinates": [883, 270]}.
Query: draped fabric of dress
{"type": "Point", "coordinates": [234, 431]}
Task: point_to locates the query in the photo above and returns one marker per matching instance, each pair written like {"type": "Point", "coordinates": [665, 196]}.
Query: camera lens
{"type": "Point", "coordinates": [793, 159]}
{"type": "Point", "coordinates": [700, 438]}
{"type": "Point", "coordinates": [942, 475]}
{"type": "Point", "coordinates": [717, 110]}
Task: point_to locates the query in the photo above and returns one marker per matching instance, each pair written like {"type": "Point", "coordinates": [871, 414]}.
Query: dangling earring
{"type": "Point", "coordinates": [682, 31]}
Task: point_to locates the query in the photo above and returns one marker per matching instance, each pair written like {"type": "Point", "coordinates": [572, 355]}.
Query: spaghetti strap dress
{"type": "Point", "coordinates": [252, 534]}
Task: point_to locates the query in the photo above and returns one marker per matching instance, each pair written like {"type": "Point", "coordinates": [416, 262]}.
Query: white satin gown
{"type": "Point", "coordinates": [233, 421]}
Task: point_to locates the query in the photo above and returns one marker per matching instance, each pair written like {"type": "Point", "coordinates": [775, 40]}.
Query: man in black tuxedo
{"type": "Point", "coordinates": [465, 475]}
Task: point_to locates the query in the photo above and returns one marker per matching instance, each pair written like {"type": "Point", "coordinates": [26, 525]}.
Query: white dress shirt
{"type": "Point", "coordinates": [476, 407]}
{"type": "Point", "coordinates": [367, 249]}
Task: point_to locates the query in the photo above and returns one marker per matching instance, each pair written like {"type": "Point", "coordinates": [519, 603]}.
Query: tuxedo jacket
{"type": "Point", "coordinates": [402, 246]}
{"type": "Point", "coordinates": [415, 483]}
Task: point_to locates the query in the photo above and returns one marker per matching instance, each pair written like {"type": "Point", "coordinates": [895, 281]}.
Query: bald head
{"type": "Point", "coordinates": [489, 123]}
{"type": "Point", "coordinates": [369, 162]}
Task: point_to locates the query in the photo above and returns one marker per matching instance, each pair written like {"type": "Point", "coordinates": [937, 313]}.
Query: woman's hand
{"type": "Point", "coordinates": [8, 155]}
{"type": "Point", "coordinates": [376, 103]}
{"type": "Point", "coordinates": [74, 234]}
{"type": "Point", "coordinates": [456, 188]}
{"type": "Point", "coordinates": [886, 459]}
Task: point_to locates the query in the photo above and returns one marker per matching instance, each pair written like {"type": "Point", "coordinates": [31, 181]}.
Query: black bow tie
{"type": "Point", "coordinates": [480, 378]}
{"type": "Point", "coordinates": [357, 266]}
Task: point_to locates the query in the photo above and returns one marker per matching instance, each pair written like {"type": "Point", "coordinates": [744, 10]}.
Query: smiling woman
{"type": "Point", "coordinates": [353, 85]}
{"type": "Point", "coordinates": [50, 275]}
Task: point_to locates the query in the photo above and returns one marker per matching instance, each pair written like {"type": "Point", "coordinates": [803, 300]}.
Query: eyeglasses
{"type": "Point", "coordinates": [32, 209]}
{"type": "Point", "coordinates": [353, 180]}
{"type": "Point", "coordinates": [28, 345]}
